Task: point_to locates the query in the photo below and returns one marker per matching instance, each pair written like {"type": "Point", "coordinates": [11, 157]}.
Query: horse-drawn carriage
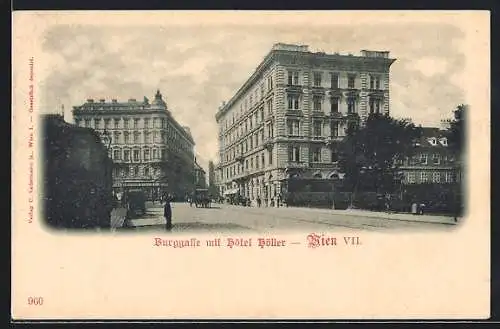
{"type": "Point", "coordinates": [202, 198]}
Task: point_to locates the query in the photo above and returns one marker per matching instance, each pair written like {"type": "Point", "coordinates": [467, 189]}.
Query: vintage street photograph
{"type": "Point", "coordinates": [254, 128]}
{"type": "Point", "coordinates": [251, 164]}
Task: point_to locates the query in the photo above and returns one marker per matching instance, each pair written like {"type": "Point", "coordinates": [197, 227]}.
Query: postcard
{"type": "Point", "coordinates": [250, 165]}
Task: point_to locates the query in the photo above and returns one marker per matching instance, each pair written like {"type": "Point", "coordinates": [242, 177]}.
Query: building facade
{"type": "Point", "coordinates": [200, 176]}
{"type": "Point", "coordinates": [432, 162]}
{"type": "Point", "coordinates": [149, 148]}
{"type": "Point", "coordinates": [287, 118]}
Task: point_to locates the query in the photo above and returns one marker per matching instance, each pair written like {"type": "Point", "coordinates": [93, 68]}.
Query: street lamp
{"type": "Point", "coordinates": [106, 140]}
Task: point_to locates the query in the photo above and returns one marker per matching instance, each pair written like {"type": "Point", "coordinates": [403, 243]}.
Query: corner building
{"type": "Point", "coordinates": [151, 151]}
{"type": "Point", "coordinates": [288, 117]}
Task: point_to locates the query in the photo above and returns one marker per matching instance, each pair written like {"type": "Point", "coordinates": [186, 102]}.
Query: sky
{"type": "Point", "coordinates": [197, 66]}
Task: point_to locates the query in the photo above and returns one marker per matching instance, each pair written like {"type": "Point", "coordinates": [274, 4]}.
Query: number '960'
{"type": "Point", "coordinates": [35, 301]}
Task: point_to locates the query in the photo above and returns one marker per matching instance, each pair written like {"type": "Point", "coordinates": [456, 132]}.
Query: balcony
{"type": "Point", "coordinates": [317, 90]}
{"type": "Point", "coordinates": [297, 113]}
{"type": "Point", "coordinates": [335, 115]}
{"type": "Point", "coordinates": [240, 176]}
{"type": "Point", "coordinates": [297, 165]}
{"type": "Point", "coordinates": [324, 165]}
{"type": "Point", "coordinates": [240, 158]}
{"type": "Point", "coordinates": [317, 113]}
{"type": "Point", "coordinates": [295, 89]}
{"type": "Point", "coordinates": [268, 143]}
{"type": "Point", "coordinates": [353, 116]}
{"type": "Point", "coordinates": [331, 140]}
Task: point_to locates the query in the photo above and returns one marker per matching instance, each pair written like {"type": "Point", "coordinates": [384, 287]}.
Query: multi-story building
{"type": "Point", "coordinates": [432, 162]}
{"type": "Point", "coordinates": [288, 117]}
{"type": "Point", "coordinates": [200, 176]}
{"type": "Point", "coordinates": [149, 148]}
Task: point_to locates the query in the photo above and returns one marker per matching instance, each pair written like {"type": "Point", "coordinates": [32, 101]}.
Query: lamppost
{"type": "Point", "coordinates": [361, 171]}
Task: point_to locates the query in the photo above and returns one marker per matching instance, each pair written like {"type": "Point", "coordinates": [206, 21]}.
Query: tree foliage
{"type": "Point", "coordinates": [456, 132]}
{"type": "Point", "coordinates": [374, 149]}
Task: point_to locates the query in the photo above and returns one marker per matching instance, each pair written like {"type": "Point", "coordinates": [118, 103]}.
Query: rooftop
{"type": "Point", "coordinates": [373, 55]}
{"type": "Point", "coordinates": [132, 103]}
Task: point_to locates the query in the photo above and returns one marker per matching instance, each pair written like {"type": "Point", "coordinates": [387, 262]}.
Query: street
{"type": "Point", "coordinates": [223, 218]}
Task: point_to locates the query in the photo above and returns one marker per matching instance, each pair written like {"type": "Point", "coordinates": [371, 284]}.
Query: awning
{"type": "Point", "coordinates": [231, 191]}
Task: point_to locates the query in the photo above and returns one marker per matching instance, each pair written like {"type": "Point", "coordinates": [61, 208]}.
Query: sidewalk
{"type": "Point", "coordinates": [118, 216]}
{"type": "Point", "coordinates": [390, 216]}
{"type": "Point", "coordinates": [362, 213]}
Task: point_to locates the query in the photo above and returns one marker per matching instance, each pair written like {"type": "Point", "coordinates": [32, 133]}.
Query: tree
{"type": "Point", "coordinates": [456, 143]}
{"type": "Point", "coordinates": [370, 154]}
{"type": "Point", "coordinates": [456, 132]}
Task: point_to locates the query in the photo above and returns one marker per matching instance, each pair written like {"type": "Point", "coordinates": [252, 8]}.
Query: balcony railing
{"type": "Point", "coordinates": [293, 88]}
{"type": "Point", "coordinates": [297, 165]}
{"type": "Point", "coordinates": [294, 112]}
{"type": "Point", "coordinates": [318, 90]}
{"type": "Point", "coordinates": [351, 116]}
{"type": "Point", "coordinates": [335, 115]}
{"type": "Point", "coordinates": [268, 142]}
{"type": "Point", "coordinates": [333, 139]}
{"type": "Point", "coordinates": [240, 158]}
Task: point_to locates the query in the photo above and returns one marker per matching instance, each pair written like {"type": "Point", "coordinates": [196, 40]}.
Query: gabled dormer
{"type": "Point", "coordinates": [443, 141]}
{"type": "Point", "coordinates": [432, 141]}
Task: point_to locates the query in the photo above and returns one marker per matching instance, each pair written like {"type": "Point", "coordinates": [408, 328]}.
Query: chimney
{"type": "Point", "coordinates": [90, 100]}
{"type": "Point", "coordinates": [132, 100]}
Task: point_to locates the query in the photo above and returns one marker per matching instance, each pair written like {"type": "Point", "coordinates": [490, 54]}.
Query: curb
{"type": "Point", "coordinates": [346, 213]}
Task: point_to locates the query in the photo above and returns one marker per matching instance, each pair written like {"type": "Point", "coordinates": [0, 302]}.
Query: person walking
{"type": "Point", "coordinates": [258, 201]}
{"type": "Point", "coordinates": [167, 213]}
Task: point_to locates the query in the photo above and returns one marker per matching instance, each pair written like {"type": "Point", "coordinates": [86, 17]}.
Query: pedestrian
{"type": "Point", "coordinates": [258, 201]}
{"type": "Point", "coordinates": [167, 213]}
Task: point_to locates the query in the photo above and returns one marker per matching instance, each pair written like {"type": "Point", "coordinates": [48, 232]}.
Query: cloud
{"type": "Point", "coordinates": [430, 66]}
{"type": "Point", "coordinates": [197, 67]}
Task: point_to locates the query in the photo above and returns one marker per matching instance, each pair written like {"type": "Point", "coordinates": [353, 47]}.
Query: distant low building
{"type": "Point", "coordinates": [432, 162]}
{"type": "Point", "coordinates": [199, 176]}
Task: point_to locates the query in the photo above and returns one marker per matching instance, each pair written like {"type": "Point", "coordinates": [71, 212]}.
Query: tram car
{"type": "Point", "coordinates": [77, 176]}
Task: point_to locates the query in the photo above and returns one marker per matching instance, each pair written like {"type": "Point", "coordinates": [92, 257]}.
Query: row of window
{"type": "Point", "coordinates": [135, 136]}
{"type": "Point", "coordinates": [254, 162]}
{"type": "Point", "coordinates": [122, 123]}
{"type": "Point", "coordinates": [294, 128]}
{"type": "Point", "coordinates": [249, 143]}
{"type": "Point", "coordinates": [333, 80]}
{"type": "Point", "coordinates": [294, 79]}
{"type": "Point", "coordinates": [252, 98]}
{"type": "Point", "coordinates": [295, 100]}
{"type": "Point", "coordinates": [148, 137]}
{"type": "Point", "coordinates": [294, 155]}
{"type": "Point", "coordinates": [429, 177]}
{"type": "Point", "coordinates": [315, 154]}
{"type": "Point", "coordinates": [242, 129]}
{"type": "Point", "coordinates": [134, 171]}
{"type": "Point", "coordinates": [423, 159]}
{"type": "Point", "coordinates": [135, 155]}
